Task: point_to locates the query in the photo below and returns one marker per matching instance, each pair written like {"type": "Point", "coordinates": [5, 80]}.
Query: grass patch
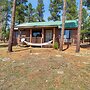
{"type": "Point", "coordinates": [47, 70]}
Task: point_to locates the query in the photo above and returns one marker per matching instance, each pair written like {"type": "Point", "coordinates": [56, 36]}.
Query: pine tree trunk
{"type": "Point", "coordinates": [79, 27]}
{"type": "Point", "coordinates": [12, 27]}
{"type": "Point", "coordinates": [63, 25]}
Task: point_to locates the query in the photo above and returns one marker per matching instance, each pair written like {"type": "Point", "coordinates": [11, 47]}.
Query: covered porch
{"type": "Point", "coordinates": [37, 35]}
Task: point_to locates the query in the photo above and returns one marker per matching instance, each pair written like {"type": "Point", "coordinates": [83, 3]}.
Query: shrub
{"type": "Point", "coordinates": [56, 45]}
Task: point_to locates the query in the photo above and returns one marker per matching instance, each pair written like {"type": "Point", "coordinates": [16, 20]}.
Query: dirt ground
{"type": "Point", "coordinates": [44, 69]}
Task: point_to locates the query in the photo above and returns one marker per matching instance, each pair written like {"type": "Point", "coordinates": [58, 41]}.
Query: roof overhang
{"type": "Point", "coordinates": [36, 26]}
{"type": "Point", "coordinates": [68, 24]}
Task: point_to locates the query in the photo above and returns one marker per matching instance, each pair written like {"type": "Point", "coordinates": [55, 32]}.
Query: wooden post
{"type": "Point", "coordinates": [19, 36]}
{"type": "Point", "coordinates": [53, 36]}
{"type": "Point", "coordinates": [18, 40]}
{"type": "Point", "coordinates": [42, 35]}
{"type": "Point", "coordinates": [30, 35]}
{"type": "Point", "coordinates": [42, 39]}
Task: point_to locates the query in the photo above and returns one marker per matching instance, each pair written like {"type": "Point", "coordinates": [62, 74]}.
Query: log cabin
{"type": "Point", "coordinates": [40, 32]}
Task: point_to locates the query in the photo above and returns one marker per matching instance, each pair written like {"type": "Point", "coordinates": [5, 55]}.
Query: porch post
{"type": "Point", "coordinates": [42, 39]}
{"type": "Point", "coordinates": [42, 35]}
{"type": "Point", "coordinates": [30, 35]}
{"type": "Point", "coordinates": [19, 36]}
{"type": "Point", "coordinates": [53, 36]}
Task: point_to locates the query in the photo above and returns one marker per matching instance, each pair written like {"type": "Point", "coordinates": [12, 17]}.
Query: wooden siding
{"type": "Point", "coordinates": [55, 33]}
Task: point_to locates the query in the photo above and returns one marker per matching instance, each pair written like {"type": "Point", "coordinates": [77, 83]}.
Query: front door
{"type": "Point", "coordinates": [48, 35]}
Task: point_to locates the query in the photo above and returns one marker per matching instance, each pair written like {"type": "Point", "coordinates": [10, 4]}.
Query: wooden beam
{"type": "Point", "coordinates": [42, 35]}
{"type": "Point", "coordinates": [53, 36]}
{"type": "Point", "coordinates": [42, 39]}
{"type": "Point", "coordinates": [18, 40]}
{"type": "Point", "coordinates": [30, 35]}
{"type": "Point", "coordinates": [19, 37]}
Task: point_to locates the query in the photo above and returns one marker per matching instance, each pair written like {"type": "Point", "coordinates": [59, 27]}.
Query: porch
{"type": "Point", "coordinates": [36, 35]}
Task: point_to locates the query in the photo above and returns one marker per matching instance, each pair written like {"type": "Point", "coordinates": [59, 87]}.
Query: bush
{"type": "Point", "coordinates": [56, 45]}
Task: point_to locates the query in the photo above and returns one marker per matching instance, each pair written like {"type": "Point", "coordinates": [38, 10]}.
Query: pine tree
{"type": "Point", "coordinates": [71, 10]}
{"type": "Point", "coordinates": [5, 16]}
{"type": "Point", "coordinates": [40, 11]}
{"type": "Point", "coordinates": [30, 14]}
{"type": "Point", "coordinates": [21, 7]}
{"type": "Point", "coordinates": [63, 25]}
{"type": "Point", "coordinates": [4, 12]}
{"type": "Point", "coordinates": [55, 8]}
{"type": "Point", "coordinates": [12, 27]}
{"type": "Point", "coordinates": [85, 21]}
{"type": "Point", "coordinates": [79, 27]}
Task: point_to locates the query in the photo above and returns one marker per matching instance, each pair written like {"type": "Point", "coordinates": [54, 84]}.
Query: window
{"type": "Point", "coordinates": [67, 34]}
{"type": "Point", "coordinates": [16, 34]}
{"type": "Point", "coordinates": [36, 33]}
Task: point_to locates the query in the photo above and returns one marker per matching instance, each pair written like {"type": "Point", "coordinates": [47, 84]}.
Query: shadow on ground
{"type": "Point", "coordinates": [85, 46]}
{"type": "Point", "coordinates": [2, 46]}
{"type": "Point", "coordinates": [67, 47]}
{"type": "Point", "coordinates": [23, 49]}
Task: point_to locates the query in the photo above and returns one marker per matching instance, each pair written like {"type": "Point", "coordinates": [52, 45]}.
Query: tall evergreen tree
{"type": "Point", "coordinates": [5, 16]}
{"type": "Point", "coordinates": [40, 11]}
{"type": "Point", "coordinates": [30, 14]}
{"type": "Point", "coordinates": [71, 10]}
{"type": "Point", "coordinates": [84, 15]}
{"type": "Point", "coordinates": [79, 27]}
{"type": "Point", "coordinates": [63, 25]}
{"type": "Point", "coordinates": [84, 23]}
{"type": "Point", "coordinates": [4, 12]}
{"type": "Point", "coordinates": [85, 31]}
{"type": "Point", "coordinates": [21, 7]}
{"type": "Point", "coordinates": [12, 27]}
{"type": "Point", "coordinates": [55, 8]}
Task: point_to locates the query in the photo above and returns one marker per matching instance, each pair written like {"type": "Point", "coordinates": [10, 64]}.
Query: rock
{"type": "Point", "coordinates": [58, 55]}
{"type": "Point", "coordinates": [14, 61]}
{"type": "Point", "coordinates": [85, 63]}
{"type": "Point", "coordinates": [36, 53]}
{"type": "Point", "coordinates": [6, 59]}
{"type": "Point", "coordinates": [60, 72]}
{"type": "Point", "coordinates": [46, 80]}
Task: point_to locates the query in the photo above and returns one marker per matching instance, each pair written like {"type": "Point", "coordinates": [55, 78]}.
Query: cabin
{"type": "Point", "coordinates": [40, 32]}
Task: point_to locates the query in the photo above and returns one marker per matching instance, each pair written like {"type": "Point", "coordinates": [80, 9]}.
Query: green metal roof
{"type": "Point", "coordinates": [68, 24]}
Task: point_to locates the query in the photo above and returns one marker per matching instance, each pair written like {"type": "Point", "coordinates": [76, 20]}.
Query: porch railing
{"type": "Point", "coordinates": [33, 39]}
{"type": "Point", "coordinates": [40, 40]}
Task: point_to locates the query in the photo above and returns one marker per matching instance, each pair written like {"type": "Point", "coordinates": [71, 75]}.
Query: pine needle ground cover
{"type": "Point", "coordinates": [44, 69]}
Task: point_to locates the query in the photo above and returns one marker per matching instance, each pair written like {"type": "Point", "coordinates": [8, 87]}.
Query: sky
{"type": "Point", "coordinates": [46, 7]}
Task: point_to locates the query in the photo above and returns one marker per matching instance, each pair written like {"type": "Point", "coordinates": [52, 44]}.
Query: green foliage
{"type": "Point", "coordinates": [85, 32]}
{"type": "Point", "coordinates": [84, 15]}
{"type": "Point", "coordinates": [39, 11]}
{"type": "Point", "coordinates": [86, 3]}
{"type": "Point", "coordinates": [71, 10]}
{"type": "Point", "coordinates": [30, 14]}
{"type": "Point", "coordinates": [56, 45]}
{"type": "Point", "coordinates": [4, 12]}
{"type": "Point", "coordinates": [55, 8]}
{"type": "Point", "coordinates": [5, 33]}
{"type": "Point", "coordinates": [21, 7]}
{"type": "Point", "coordinates": [4, 18]}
